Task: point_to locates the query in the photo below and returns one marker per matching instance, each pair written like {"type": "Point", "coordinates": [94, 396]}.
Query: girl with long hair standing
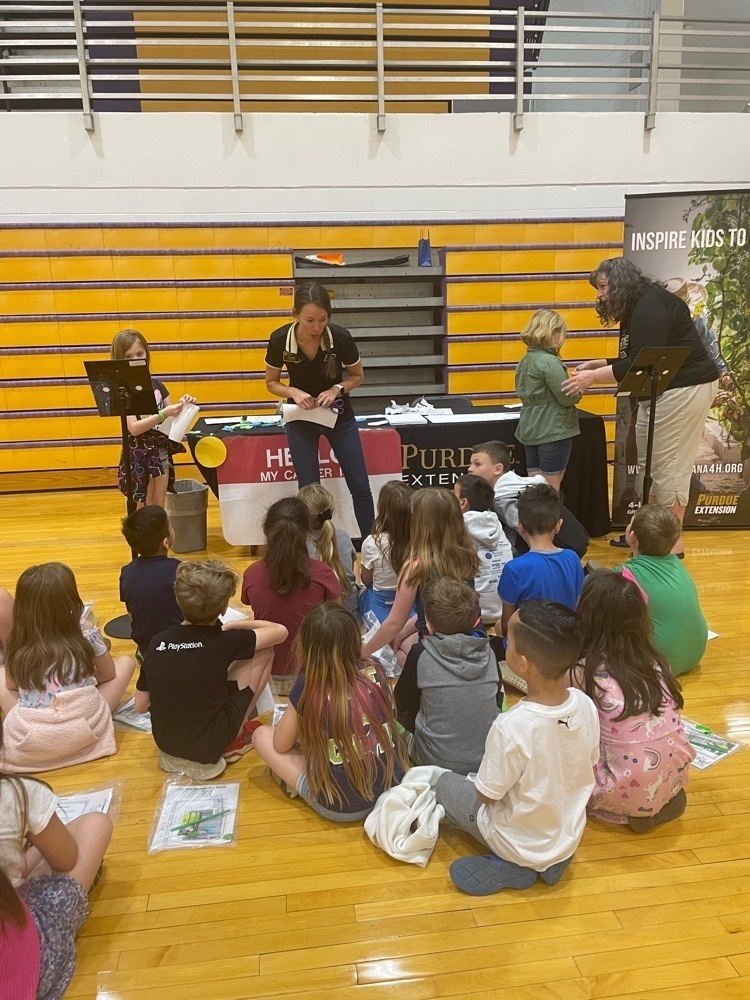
{"type": "Point", "coordinates": [341, 711]}
{"type": "Point", "coordinates": [314, 352]}
{"type": "Point", "coordinates": [440, 545]}
{"type": "Point", "coordinates": [60, 685]}
{"type": "Point", "coordinates": [642, 772]}
{"type": "Point", "coordinates": [286, 583]}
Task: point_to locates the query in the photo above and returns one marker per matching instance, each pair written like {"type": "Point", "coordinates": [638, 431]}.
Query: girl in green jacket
{"type": "Point", "coordinates": [548, 421]}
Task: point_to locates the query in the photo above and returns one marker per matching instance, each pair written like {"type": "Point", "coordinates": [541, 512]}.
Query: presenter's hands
{"type": "Point", "coordinates": [303, 399]}
{"type": "Point", "coordinates": [173, 409]}
{"type": "Point", "coordinates": [580, 381]}
{"type": "Point", "coordinates": [187, 398]}
{"type": "Point", "coordinates": [589, 366]}
{"type": "Point", "coordinates": [327, 397]}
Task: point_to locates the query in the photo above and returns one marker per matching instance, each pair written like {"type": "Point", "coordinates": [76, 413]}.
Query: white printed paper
{"type": "Point", "coordinates": [399, 419]}
{"type": "Point", "coordinates": [177, 427]}
{"type": "Point", "coordinates": [70, 807]}
{"type": "Point", "coordinates": [709, 747]}
{"type": "Point", "coordinates": [126, 715]}
{"type": "Point", "coordinates": [197, 816]}
{"type": "Point", "coordinates": [470, 418]}
{"type": "Point", "coordinates": [320, 415]}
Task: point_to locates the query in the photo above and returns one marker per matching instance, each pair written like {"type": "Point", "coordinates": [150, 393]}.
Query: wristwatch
{"type": "Point", "coordinates": [340, 387]}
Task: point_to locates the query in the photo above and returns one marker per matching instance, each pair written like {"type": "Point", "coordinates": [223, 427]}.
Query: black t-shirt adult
{"type": "Point", "coordinates": [195, 711]}
{"type": "Point", "coordinates": [147, 591]}
{"type": "Point", "coordinates": [661, 319]}
{"type": "Point", "coordinates": [310, 375]}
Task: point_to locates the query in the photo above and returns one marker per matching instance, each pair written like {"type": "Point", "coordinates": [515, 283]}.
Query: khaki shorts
{"type": "Point", "coordinates": [680, 421]}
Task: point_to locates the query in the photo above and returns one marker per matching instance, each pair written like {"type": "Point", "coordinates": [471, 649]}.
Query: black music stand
{"type": "Point", "coordinates": [648, 377]}
{"type": "Point", "coordinates": [122, 389]}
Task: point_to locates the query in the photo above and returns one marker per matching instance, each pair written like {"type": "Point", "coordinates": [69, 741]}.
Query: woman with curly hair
{"type": "Point", "coordinates": [650, 316]}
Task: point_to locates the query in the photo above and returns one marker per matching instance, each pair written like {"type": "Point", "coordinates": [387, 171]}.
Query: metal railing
{"type": "Point", "coordinates": [225, 54]}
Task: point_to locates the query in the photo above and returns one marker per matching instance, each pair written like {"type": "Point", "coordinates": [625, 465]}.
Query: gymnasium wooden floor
{"type": "Point", "coordinates": [307, 909]}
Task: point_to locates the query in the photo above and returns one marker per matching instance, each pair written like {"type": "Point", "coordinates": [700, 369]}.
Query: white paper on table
{"type": "Point", "coordinates": [70, 807]}
{"type": "Point", "coordinates": [470, 418]}
{"type": "Point", "coordinates": [713, 635]}
{"type": "Point", "coordinates": [320, 415]}
{"type": "Point", "coordinates": [182, 803]}
{"type": "Point", "coordinates": [126, 715]}
{"type": "Point", "coordinates": [398, 419]}
{"type": "Point", "coordinates": [223, 420]}
{"type": "Point", "coordinates": [177, 427]}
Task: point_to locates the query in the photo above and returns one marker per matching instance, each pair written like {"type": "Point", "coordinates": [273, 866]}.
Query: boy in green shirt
{"type": "Point", "coordinates": [679, 630]}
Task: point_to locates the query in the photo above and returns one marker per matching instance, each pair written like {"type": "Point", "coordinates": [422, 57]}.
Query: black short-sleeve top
{"type": "Point", "coordinates": [309, 375]}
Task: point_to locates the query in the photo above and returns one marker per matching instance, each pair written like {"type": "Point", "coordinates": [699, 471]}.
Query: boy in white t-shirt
{"type": "Point", "coordinates": [528, 805]}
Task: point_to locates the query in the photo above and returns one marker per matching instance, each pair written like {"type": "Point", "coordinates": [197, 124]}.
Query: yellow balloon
{"type": "Point", "coordinates": [211, 452]}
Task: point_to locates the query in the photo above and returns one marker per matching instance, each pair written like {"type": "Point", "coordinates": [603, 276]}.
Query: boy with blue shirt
{"type": "Point", "coordinates": [545, 572]}
{"type": "Point", "coordinates": [147, 583]}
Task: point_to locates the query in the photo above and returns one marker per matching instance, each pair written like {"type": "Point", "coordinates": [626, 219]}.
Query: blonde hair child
{"type": "Point", "coordinates": [149, 451]}
{"type": "Point", "coordinates": [59, 676]}
{"type": "Point", "coordinates": [330, 544]}
{"type": "Point", "coordinates": [341, 711]}
{"type": "Point", "coordinates": [440, 546]}
{"type": "Point", "coordinates": [548, 421]}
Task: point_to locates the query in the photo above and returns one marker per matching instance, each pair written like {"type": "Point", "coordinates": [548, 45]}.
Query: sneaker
{"type": "Point", "coordinates": [484, 876]}
{"type": "Point", "coordinates": [194, 770]}
{"type": "Point", "coordinates": [244, 742]}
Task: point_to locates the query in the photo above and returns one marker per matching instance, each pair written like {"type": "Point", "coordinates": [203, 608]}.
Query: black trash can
{"type": "Point", "coordinates": [187, 508]}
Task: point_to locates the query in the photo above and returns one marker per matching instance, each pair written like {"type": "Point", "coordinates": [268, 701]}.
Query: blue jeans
{"type": "Point", "coordinates": [303, 438]}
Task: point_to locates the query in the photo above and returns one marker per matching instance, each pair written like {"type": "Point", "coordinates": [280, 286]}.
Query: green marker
{"type": "Point", "coordinates": [204, 819]}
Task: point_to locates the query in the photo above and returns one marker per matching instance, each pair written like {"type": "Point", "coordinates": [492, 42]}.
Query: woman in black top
{"type": "Point", "coordinates": [650, 316]}
{"type": "Point", "coordinates": [314, 352]}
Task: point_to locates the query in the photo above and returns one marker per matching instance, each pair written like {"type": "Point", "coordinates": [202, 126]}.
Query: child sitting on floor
{"type": "Point", "coordinates": [447, 694]}
{"type": "Point", "coordinates": [645, 755]}
{"type": "Point", "coordinates": [679, 630]}
{"type": "Point", "coordinates": [546, 571]}
{"type": "Point", "coordinates": [384, 552]}
{"type": "Point", "coordinates": [337, 744]}
{"type": "Point", "coordinates": [286, 583]}
{"type": "Point", "coordinates": [528, 805]}
{"type": "Point", "coordinates": [60, 685]}
{"type": "Point", "coordinates": [200, 680]}
{"type": "Point", "coordinates": [476, 497]}
{"type": "Point", "coordinates": [46, 870]}
{"type": "Point", "coordinates": [492, 461]}
{"type": "Point", "coordinates": [330, 544]}
{"type": "Point", "coordinates": [147, 583]}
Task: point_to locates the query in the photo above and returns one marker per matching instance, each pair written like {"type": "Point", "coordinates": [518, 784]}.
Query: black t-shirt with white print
{"type": "Point", "coordinates": [195, 711]}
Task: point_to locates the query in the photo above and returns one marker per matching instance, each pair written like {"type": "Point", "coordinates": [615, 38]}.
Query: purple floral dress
{"type": "Point", "coordinates": [643, 760]}
{"type": "Point", "coordinates": [150, 455]}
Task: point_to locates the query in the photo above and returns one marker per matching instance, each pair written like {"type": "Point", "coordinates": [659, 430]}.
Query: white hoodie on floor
{"type": "Point", "coordinates": [494, 551]}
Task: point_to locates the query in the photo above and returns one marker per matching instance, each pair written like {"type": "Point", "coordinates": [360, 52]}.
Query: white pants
{"type": "Point", "coordinates": [680, 420]}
